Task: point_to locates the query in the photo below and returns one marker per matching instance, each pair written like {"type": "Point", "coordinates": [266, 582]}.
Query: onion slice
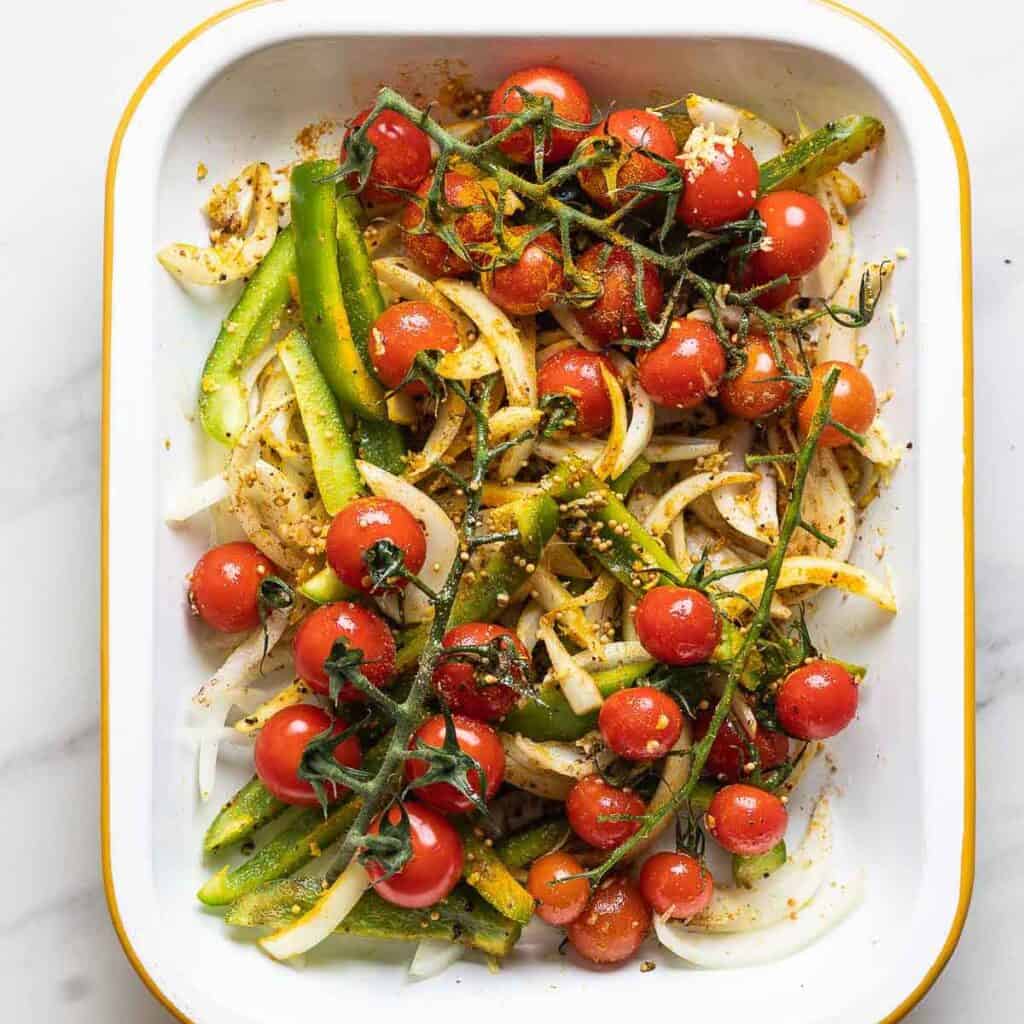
{"type": "Point", "coordinates": [577, 685]}
{"type": "Point", "coordinates": [294, 693]}
{"type": "Point", "coordinates": [825, 279]}
{"type": "Point", "coordinates": [674, 772]}
{"type": "Point", "coordinates": [566, 319]}
{"type": "Point", "coordinates": [611, 456]}
{"type": "Point", "coordinates": [567, 759]}
{"type": "Point", "coordinates": [520, 772]}
{"type": "Point", "coordinates": [529, 624]}
{"type": "Point", "coordinates": [641, 421]}
{"type": "Point", "coordinates": [197, 499]}
{"type": "Point", "coordinates": [450, 414]}
{"type": "Point", "coordinates": [763, 140]}
{"type": "Point", "coordinates": [433, 957]}
{"type": "Point", "coordinates": [678, 448]}
{"type": "Point", "coordinates": [561, 605]}
{"type": "Point", "coordinates": [613, 655]}
{"type": "Point", "coordinates": [243, 664]}
{"type": "Point", "coordinates": [468, 363]}
{"type": "Point", "coordinates": [671, 504]}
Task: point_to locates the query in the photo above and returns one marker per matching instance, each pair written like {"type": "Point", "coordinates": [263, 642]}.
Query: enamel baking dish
{"type": "Point", "coordinates": [238, 89]}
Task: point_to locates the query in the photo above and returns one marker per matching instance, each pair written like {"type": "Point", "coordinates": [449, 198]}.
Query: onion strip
{"type": "Point", "coordinates": [577, 685]}
{"type": "Point", "coordinates": [672, 503]}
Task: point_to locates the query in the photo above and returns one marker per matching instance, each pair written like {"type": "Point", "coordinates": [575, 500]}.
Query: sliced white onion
{"type": "Point", "coordinates": [878, 448]}
{"type": "Point", "coordinates": [560, 559]}
{"type": "Point", "coordinates": [243, 664]}
{"type": "Point", "coordinates": [674, 772]}
{"type": "Point", "coordinates": [520, 772]}
{"type": "Point", "coordinates": [827, 505]}
{"type": "Point", "coordinates": [294, 693]}
{"type": "Point", "coordinates": [579, 688]}
{"type": "Point", "coordinates": [445, 430]}
{"type": "Point", "coordinates": [582, 447]}
{"type": "Point", "coordinates": [553, 756]}
{"type": "Point", "coordinates": [740, 708]}
{"type": "Point", "coordinates": [566, 319]}
{"type": "Point", "coordinates": [469, 363]}
{"type": "Point", "coordinates": [678, 448]}
{"type": "Point", "coordinates": [641, 421]}
{"type": "Point", "coordinates": [529, 624]}
{"type": "Point", "coordinates": [736, 504]}
{"type": "Point", "coordinates": [629, 603]}
{"type": "Point", "coordinates": [762, 139]}
{"type": "Point", "coordinates": [613, 655]}
{"type": "Point", "coordinates": [397, 274]}
{"type": "Point", "coordinates": [825, 279]}
{"type": "Point", "coordinates": [197, 500]}
{"type": "Point", "coordinates": [209, 742]}
{"type": "Point", "coordinates": [611, 455]}
{"type": "Point", "coordinates": [433, 957]}
{"type": "Point", "coordinates": [512, 420]}
{"type": "Point", "coordinates": [560, 604]}
{"type": "Point", "coordinates": [553, 349]}
{"type": "Point", "coordinates": [672, 503]}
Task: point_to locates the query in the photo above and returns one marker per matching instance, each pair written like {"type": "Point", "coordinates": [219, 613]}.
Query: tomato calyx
{"type": "Point", "coordinates": [558, 412]}
{"type": "Point", "coordinates": [385, 565]}
{"type": "Point", "coordinates": [344, 668]}
{"type": "Point", "coordinates": [273, 594]}
{"type": "Point", "coordinates": [320, 768]}
{"type": "Point", "coordinates": [498, 662]}
{"type": "Point", "coordinates": [389, 849]}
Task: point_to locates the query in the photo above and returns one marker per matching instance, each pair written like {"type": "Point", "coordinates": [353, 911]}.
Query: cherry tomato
{"type": "Point", "coordinates": [719, 190]}
{"type": "Point", "coordinates": [853, 403]}
{"type": "Point", "coordinates": [686, 367]}
{"type": "Point", "coordinates": [224, 586]}
{"type": "Point", "coordinates": [569, 100]}
{"type": "Point", "coordinates": [402, 159]}
{"type": "Point", "coordinates": [474, 738]}
{"type": "Point", "coordinates": [402, 331]}
{"type": "Point", "coordinates": [473, 227]}
{"type": "Point", "coordinates": [745, 820]}
{"type": "Point", "coordinates": [461, 684]}
{"type": "Point", "coordinates": [576, 372]}
{"type": "Point", "coordinates": [640, 723]}
{"type": "Point", "coordinates": [279, 748]}
{"type": "Point", "coordinates": [675, 884]}
{"type": "Point", "coordinates": [799, 234]}
{"type": "Point", "coordinates": [436, 863]}
{"type": "Point", "coordinates": [531, 284]}
{"type": "Point", "coordinates": [360, 525]}
{"type": "Point", "coordinates": [731, 752]}
{"type": "Point", "coordinates": [361, 628]}
{"type": "Point", "coordinates": [592, 799]}
{"type": "Point", "coordinates": [817, 700]}
{"type": "Point", "coordinates": [679, 626]}
{"type": "Point", "coordinates": [755, 392]}
{"type": "Point", "coordinates": [635, 130]}
{"type": "Point", "coordinates": [560, 899]}
{"type": "Point", "coordinates": [614, 315]}
{"type": "Point", "coordinates": [613, 924]}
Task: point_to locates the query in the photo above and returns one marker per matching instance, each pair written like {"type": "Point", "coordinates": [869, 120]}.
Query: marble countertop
{"type": "Point", "coordinates": [59, 959]}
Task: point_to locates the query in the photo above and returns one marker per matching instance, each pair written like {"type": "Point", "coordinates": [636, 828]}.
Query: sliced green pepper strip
{"type": "Point", "coordinates": [250, 808]}
{"type": "Point", "coordinates": [701, 797]}
{"type": "Point", "coordinates": [623, 483]}
{"type": "Point", "coordinates": [748, 870]}
{"type": "Point", "coordinates": [485, 872]}
{"type": "Point", "coordinates": [325, 587]}
{"type": "Point", "coordinates": [523, 848]}
{"type": "Point", "coordinates": [383, 444]}
{"type": "Point", "coordinates": [223, 402]}
{"type": "Point", "coordinates": [838, 142]}
{"type": "Point", "coordinates": [330, 447]}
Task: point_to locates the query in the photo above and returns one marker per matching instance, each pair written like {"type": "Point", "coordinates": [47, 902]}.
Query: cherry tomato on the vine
{"type": "Point", "coordinates": [686, 367]}
{"type": "Point", "coordinates": [576, 372]}
{"type": "Point", "coordinates": [560, 897]}
{"type": "Point", "coordinates": [614, 315]}
{"type": "Point", "coordinates": [678, 625]}
{"type": "Point", "coordinates": [279, 748]}
{"type": "Point", "coordinates": [854, 404]}
{"type": "Point", "coordinates": [718, 190]}
{"type": "Point", "coordinates": [474, 738]}
{"type": "Point", "coordinates": [402, 159]}
{"type": "Point", "coordinates": [640, 723]}
{"type": "Point", "coordinates": [675, 884]}
{"type": "Point", "coordinates": [746, 820]}
{"type": "Point", "coordinates": [592, 799]}
{"type": "Point", "coordinates": [613, 924]}
{"type": "Point", "coordinates": [817, 700]}
{"type": "Point", "coordinates": [798, 233]}
{"type": "Point", "coordinates": [730, 752]}
{"type": "Point", "coordinates": [436, 863]}
{"type": "Point", "coordinates": [224, 586]}
{"type": "Point", "coordinates": [756, 392]}
{"type": "Point", "coordinates": [401, 332]}
{"type": "Point", "coordinates": [569, 100]}
{"type": "Point", "coordinates": [361, 629]}
{"type": "Point", "coordinates": [534, 282]}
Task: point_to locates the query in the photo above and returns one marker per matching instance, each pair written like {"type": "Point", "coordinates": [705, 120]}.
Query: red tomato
{"type": "Point", "coordinates": [560, 899]}
{"type": "Point", "coordinates": [730, 751]}
{"type": "Point", "coordinates": [534, 282]}
{"type": "Point", "coordinates": [224, 586]}
{"type": "Point", "coordinates": [614, 315]}
{"type": "Point", "coordinates": [436, 863]}
{"type": "Point", "coordinates": [854, 404]}
{"type": "Point", "coordinates": [592, 799]}
{"type": "Point", "coordinates": [746, 820]}
{"type": "Point", "coordinates": [472, 227]}
{"type": "Point", "coordinates": [474, 738]}
{"type": "Point", "coordinates": [361, 524]}
{"type": "Point", "coordinates": [401, 332]}
{"type": "Point", "coordinates": [402, 159]}
{"type": "Point", "coordinates": [361, 628]}
{"type": "Point", "coordinates": [279, 748]}
{"type": "Point", "coordinates": [613, 924]}
{"type": "Point", "coordinates": [755, 392]}
{"type": "Point", "coordinates": [462, 686]}
{"type": "Point", "coordinates": [679, 626]}
{"type": "Point", "coordinates": [635, 130]}
{"type": "Point", "coordinates": [686, 367]}
{"type": "Point", "coordinates": [569, 100]}
{"type": "Point", "coordinates": [675, 884]}
{"type": "Point", "coordinates": [640, 723]}
{"type": "Point", "coordinates": [720, 190]}
{"type": "Point", "coordinates": [798, 232]}
{"type": "Point", "coordinates": [576, 372]}
{"type": "Point", "coordinates": [817, 700]}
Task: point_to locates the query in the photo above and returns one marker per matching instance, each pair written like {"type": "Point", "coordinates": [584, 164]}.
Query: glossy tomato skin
{"type": "Point", "coordinates": [719, 190]}
{"type": "Point", "coordinates": [474, 738]}
{"type": "Point", "coordinates": [730, 753]}
{"type": "Point", "coordinates": [755, 393]}
{"type": "Point", "coordinates": [591, 799]}
{"type": "Point", "coordinates": [635, 130]}
{"type": "Point", "coordinates": [853, 403]}
{"type": "Point", "coordinates": [225, 583]}
{"type": "Point", "coordinates": [401, 332]}
{"type": "Point", "coordinates": [534, 282]}
{"type": "Point", "coordinates": [279, 748]}
{"type": "Point", "coordinates": [576, 372]}
{"type": "Point", "coordinates": [474, 226]}
{"type": "Point", "coordinates": [640, 723]}
{"type": "Point", "coordinates": [361, 524]}
{"type": "Point", "coordinates": [745, 820]}
{"type": "Point", "coordinates": [457, 683]}
{"type": "Point", "coordinates": [613, 924]}
{"type": "Point", "coordinates": [402, 159]}
{"type": "Point", "coordinates": [614, 315]}
{"type": "Point", "coordinates": [817, 700]}
{"type": "Point", "coordinates": [569, 99]}
{"type": "Point", "coordinates": [800, 234]}
{"type": "Point", "coordinates": [560, 898]}
{"type": "Point", "coordinates": [436, 863]}
{"type": "Point", "coordinates": [685, 368]}
{"type": "Point", "coordinates": [362, 630]}
{"type": "Point", "coordinates": [675, 884]}
{"type": "Point", "coordinates": [678, 625]}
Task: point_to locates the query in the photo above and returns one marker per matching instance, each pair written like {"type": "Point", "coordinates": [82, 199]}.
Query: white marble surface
{"type": "Point", "coordinates": [67, 70]}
